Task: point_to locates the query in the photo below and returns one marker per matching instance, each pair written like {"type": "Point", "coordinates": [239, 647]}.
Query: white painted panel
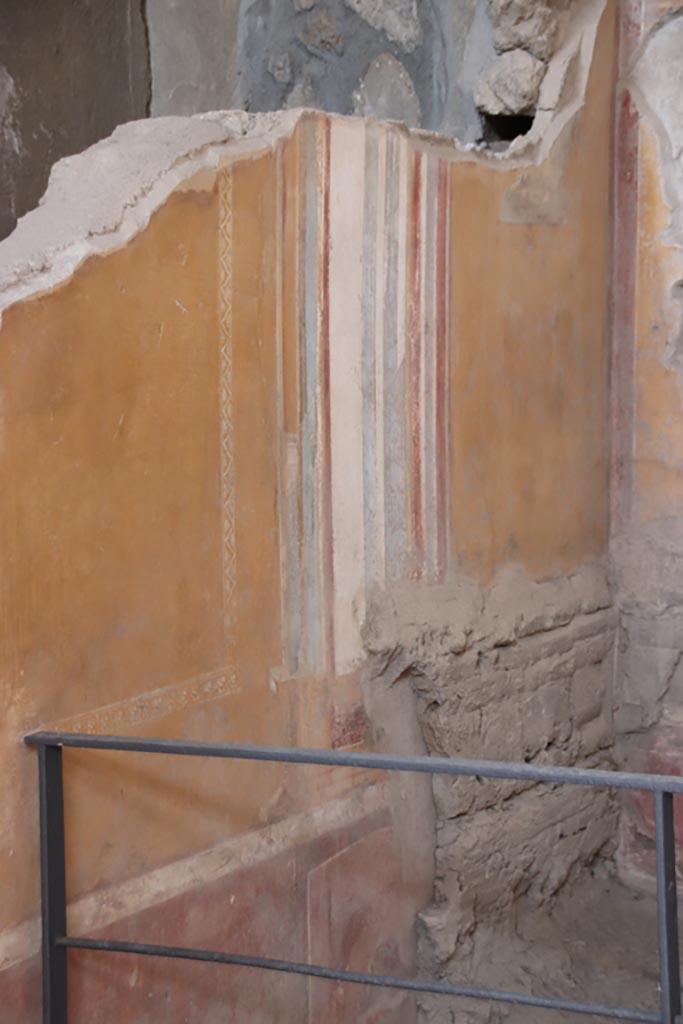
{"type": "Point", "coordinates": [347, 186]}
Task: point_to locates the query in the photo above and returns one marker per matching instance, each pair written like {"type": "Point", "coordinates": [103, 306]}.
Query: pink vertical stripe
{"type": "Point", "coordinates": [441, 383]}
{"type": "Point", "coordinates": [415, 364]}
{"type": "Point", "coordinates": [326, 426]}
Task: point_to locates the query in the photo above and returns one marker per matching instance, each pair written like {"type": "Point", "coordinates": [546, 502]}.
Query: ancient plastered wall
{"type": "Point", "coordinates": [400, 59]}
{"type": "Point", "coordinates": [647, 540]}
{"type": "Point", "coordinates": [258, 372]}
{"type": "Point", "coordinates": [168, 556]}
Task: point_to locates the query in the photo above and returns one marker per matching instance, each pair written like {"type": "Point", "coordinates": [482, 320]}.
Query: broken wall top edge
{"type": "Point", "coordinates": [99, 199]}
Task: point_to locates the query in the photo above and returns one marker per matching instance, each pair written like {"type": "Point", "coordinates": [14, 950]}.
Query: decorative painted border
{"type": "Point", "coordinates": [133, 711]}
{"type": "Point", "coordinates": [117, 718]}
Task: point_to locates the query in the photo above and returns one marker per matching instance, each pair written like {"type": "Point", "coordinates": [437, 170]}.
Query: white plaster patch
{"type": "Point", "coordinates": [98, 200]}
{"type": "Point", "coordinates": [658, 80]}
{"type": "Point", "coordinates": [346, 397]}
{"type": "Point", "coordinates": [387, 92]}
{"type": "Point", "coordinates": [510, 85]}
{"type": "Point", "coordinates": [117, 902]}
{"type": "Point", "coordinates": [530, 24]}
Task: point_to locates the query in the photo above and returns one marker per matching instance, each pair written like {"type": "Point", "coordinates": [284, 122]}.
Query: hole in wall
{"type": "Point", "coordinates": [505, 127]}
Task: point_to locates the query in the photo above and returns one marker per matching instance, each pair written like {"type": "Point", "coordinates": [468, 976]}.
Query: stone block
{"type": "Point", "coordinates": [657, 752]}
{"type": "Point", "coordinates": [511, 84]}
{"type": "Point", "coordinates": [302, 94]}
{"type": "Point", "coordinates": [529, 844]}
{"type": "Point", "coordinates": [529, 24]}
{"type": "Point", "coordinates": [357, 922]}
{"type": "Point", "coordinates": [544, 719]}
{"type": "Point", "coordinates": [589, 692]}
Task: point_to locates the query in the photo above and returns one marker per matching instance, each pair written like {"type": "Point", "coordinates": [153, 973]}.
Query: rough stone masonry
{"type": "Point", "coordinates": [518, 672]}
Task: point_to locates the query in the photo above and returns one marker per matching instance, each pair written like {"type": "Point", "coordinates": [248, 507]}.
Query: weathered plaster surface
{"type": "Point", "coordinates": [151, 159]}
{"type": "Point", "coordinates": [532, 26]}
{"type": "Point", "coordinates": [239, 405]}
{"type": "Point", "coordinates": [647, 533]}
{"type": "Point", "coordinates": [511, 84]}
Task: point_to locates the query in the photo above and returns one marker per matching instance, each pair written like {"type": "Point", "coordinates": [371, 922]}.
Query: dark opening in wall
{"type": "Point", "coordinates": [505, 127]}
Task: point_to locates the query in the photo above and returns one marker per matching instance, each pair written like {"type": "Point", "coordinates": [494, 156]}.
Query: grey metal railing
{"type": "Point", "coordinates": [56, 941]}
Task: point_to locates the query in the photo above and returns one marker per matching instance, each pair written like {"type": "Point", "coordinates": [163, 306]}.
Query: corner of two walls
{"type": "Point", "coordinates": [647, 502]}
{"type": "Point", "coordinates": [172, 569]}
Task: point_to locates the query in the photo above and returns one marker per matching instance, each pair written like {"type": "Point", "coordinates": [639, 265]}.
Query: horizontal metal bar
{"type": "Point", "coordinates": [387, 762]}
{"type": "Point", "coordinates": [667, 909]}
{"type": "Point", "coordinates": [359, 978]}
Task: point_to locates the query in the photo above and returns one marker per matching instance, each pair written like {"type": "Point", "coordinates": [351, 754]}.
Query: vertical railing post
{"type": "Point", "coordinates": [667, 909]}
{"type": "Point", "coordinates": [52, 883]}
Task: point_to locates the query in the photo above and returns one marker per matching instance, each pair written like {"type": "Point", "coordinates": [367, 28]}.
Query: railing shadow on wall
{"type": "Point", "coordinates": [56, 941]}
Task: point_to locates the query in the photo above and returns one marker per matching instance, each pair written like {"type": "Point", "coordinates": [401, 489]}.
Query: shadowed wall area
{"type": "Point", "coordinates": [324, 431]}
{"type": "Point", "coordinates": [70, 71]}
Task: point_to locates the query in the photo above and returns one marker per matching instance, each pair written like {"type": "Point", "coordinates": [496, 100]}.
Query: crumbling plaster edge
{"type": "Point", "coordinates": [51, 242]}
{"type": "Point", "coordinates": [671, 181]}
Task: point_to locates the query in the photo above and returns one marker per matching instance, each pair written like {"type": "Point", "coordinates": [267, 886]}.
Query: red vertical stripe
{"type": "Point", "coordinates": [414, 363]}
{"type": "Point", "coordinates": [440, 383]}
{"type": "Point", "coordinates": [326, 425]}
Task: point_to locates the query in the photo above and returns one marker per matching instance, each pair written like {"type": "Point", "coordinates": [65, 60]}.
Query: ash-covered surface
{"type": "Point", "coordinates": [596, 943]}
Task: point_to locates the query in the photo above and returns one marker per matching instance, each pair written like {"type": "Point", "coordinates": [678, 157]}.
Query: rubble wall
{"type": "Point", "coordinates": [520, 671]}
